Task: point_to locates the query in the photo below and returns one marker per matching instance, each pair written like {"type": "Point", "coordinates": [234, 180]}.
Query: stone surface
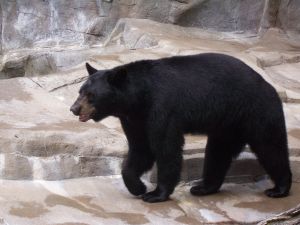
{"type": "Point", "coordinates": [288, 17]}
{"type": "Point", "coordinates": [43, 141]}
{"type": "Point", "coordinates": [289, 217]}
{"type": "Point", "coordinates": [46, 23]}
{"type": "Point", "coordinates": [43, 61]}
{"type": "Point", "coordinates": [27, 23]}
{"type": "Point", "coordinates": [92, 201]}
{"type": "Point", "coordinates": [287, 75]}
{"type": "Point", "coordinates": [233, 15]}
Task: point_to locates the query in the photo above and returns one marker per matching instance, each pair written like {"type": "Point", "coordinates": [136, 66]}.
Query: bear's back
{"type": "Point", "coordinates": [201, 75]}
{"type": "Point", "coordinates": [206, 89]}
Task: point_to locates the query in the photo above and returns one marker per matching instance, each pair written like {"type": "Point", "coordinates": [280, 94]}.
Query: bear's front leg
{"type": "Point", "coordinates": [168, 175]}
{"type": "Point", "coordinates": [133, 168]}
{"type": "Point", "coordinates": [139, 159]}
{"type": "Point", "coordinates": [166, 143]}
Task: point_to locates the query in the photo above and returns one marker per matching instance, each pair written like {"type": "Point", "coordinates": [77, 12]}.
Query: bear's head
{"type": "Point", "coordinates": [101, 95]}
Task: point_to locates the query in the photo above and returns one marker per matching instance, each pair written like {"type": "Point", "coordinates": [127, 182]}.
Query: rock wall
{"type": "Point", "coordinates": [41, 37]}
{"type": "Point", "coordinates": [37, 23]}
{"type": "Point", "coordinates": [46, 23]}
{"type": "Point", "coordinates": [288, 17]}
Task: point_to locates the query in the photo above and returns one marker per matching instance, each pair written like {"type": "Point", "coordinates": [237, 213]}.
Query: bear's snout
{"type": "Point", "coordinates": [75, 109]}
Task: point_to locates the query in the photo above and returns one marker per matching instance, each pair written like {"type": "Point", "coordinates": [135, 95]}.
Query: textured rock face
{"type": "Point", "coordinates": [288, 17]}
{"type": "Point", "coordinates": [28, 23]}
{"type": "Point", "coordinates": [41, 23]}
{"type": "Point", "coordinates": [232, 15]}
{"type": "Point", "coordinates": [56, 33]}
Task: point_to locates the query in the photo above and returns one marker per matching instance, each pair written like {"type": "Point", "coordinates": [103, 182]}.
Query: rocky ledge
{"type": "Point", "coordinates": [40, 139]}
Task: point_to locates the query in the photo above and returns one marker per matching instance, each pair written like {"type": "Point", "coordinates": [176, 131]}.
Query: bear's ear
{"type": "Point", "coordinates": [117, 78]}
{"type": "Point", "coordinates": [91, 70]}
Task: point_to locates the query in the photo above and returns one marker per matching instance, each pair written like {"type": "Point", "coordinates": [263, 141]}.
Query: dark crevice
{"type": "Point", "coordinates": [76, 81]}
{"type": "Point", "coordinates": [82, 32]}
{"type": "Point", "coordinates": [38, 84]}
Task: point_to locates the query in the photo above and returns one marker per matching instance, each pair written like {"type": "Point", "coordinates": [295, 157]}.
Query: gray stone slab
{"type": "Point", "coordinates": [40, 139]}
{"type": "Point", "coordinates": [105, 200]}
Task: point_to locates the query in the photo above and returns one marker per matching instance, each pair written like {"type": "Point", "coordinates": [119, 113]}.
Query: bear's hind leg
{"type": "Point", "coordinates": [274, 159]}
{"type": "Point", "coordinates": [218, 156]}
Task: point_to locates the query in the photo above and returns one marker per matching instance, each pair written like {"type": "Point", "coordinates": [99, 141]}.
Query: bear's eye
{"type": "Point", "coordinates": [90, 96]}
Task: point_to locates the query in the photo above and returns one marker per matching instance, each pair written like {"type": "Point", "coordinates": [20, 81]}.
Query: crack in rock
{"type": "Point", "coordinates": [284, 217]}
{"type": "Point", "coordinates": [37, 83]}
{"type": "Point", "coordinates": [82, 32]}
{"type": "Point", "coordinates": [33, 14]}
{"type": "Point", "coordinates": [76, 81]}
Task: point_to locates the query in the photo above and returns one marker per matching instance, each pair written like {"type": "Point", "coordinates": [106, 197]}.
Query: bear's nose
{"type": "Point", "coordinates": [75, 109]}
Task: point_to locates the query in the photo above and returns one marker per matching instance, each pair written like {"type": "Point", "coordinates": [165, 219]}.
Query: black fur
{"type": "Point", "coordinates": [158, 101]}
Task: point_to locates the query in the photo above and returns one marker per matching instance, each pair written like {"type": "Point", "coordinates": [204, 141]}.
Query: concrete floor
{"type": "Point", "coordinates": [105, 200]}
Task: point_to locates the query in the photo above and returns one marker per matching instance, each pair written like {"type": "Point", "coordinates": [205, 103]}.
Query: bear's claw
{"type": "Point", "coordinates": [200, 190]}
{"type": "Point", "coordinates": [276, 193]}
{"type": "Point", "coordinates": [154, 196]}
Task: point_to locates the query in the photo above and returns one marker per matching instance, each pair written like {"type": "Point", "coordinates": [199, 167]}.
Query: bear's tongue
{"type": "Point", "coordinates": [83, 118]}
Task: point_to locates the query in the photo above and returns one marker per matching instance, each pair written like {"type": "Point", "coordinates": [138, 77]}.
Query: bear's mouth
{"type": "Point", "coordinates": [84, 117]}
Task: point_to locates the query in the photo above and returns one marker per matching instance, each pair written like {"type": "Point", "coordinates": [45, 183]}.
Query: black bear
{"type": "Point", "coordinates": [158, 101]}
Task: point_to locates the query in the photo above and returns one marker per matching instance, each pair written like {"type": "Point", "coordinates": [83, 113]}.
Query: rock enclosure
{"type": "Point", "coordinates": [44, 45]}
